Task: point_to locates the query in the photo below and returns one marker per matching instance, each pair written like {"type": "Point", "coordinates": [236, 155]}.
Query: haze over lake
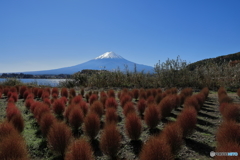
{"type": "Point", "coordinates": [51, 82]}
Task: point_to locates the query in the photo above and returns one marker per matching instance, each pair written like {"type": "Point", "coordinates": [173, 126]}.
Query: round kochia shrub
{"type": "Point", "coordinates": [133, 126]}
{"type": "Point", "coordinates": [187, 120]}
{"type": "Point", "coordinates": [93, 98]}
{"type": "Point", "coordinates": [79, 150]}
{"type": "Point", "coordinates": [156, 149]}
{"type": "Point", "coordinates": [228, 132]}
{"type": "Point", "coordinates": [128, 108]}
{"type": "Point", "coordinates": [172, 134]}
{"type": "Point", "coordinates": [58, 107]}
{"type": "Point", "coordinates": [152, 116]}
{"type": "Point", "coordinates": [46, 122]}
{"type": "Point", "coordinates": [97, 107]}
{"type": "Point", "coordinates": [13, 147]}
{"type": "Point", "coordinates": [110, 140]}
{"type": "Point", "coordinates": [59, 137]}
{"type": "Point", "coordinates": [111, 116]}
{"type": "Point", "coordinates": [141, 106]}
{"type": "Point", "coordinates": [64, 92]}
{"type": "Point", "coordinates": [91, 125]}
{"type": "Point", "coordinates": [111, 103]}
{"type": "Point", "coordinates": [76, 118]}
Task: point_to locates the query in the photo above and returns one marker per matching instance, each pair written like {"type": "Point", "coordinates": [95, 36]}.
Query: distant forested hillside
{"type": "Point", "coordinates": [233, 58]}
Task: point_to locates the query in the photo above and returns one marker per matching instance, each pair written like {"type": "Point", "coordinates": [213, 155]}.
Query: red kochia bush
{"type": "Point", "coordinates": [135, 93]}
{"type": "Point", "coordinates": [58, 107]}
{"type": "Point", "coordinates": [93, 98]}
{"type": "Point", "coordinates": [152, 116]}
{"type": "Point", "coordinates": [76, 118]}
{"type": "Point", "coordinates": [158, 98]}
{"type": "Point", "coordinates": [111, 103]}
{"type": "Point", "coordinates": [111, 93]}
{"type": "Point", "coordinates": [77, 99]}
{"type": "Point", "coordinates": [141, 106]}
{"type": "Point", "coordinates": [192, 101]}
{"type": "Point", "coordinates": [91, 125]}
{"type": "Point", "coordinates": [111, 116]}
{"type": "Point", "coordinates": [18, 122]}
{"type": "Point", "coordinates": [97, 107]}
{"type": "Point", "coordinates": [128, 108]}
{"type": "Point", "coordinates": [82, 92]}
{"type": "Point", "coordinates": [79, 149]}
{"type": "Point", "coordinates": [103, 98]}
{"type": "Point", "coordinates": [224, 98]}
{"type": "Point", "coordinates": [238, 92]}
{"type": "Point", "coordinates": [39, 111]}
{"type": "Point", "coordinates": [22, 90]}
{"type": "Point", "coordinates": [46, 122]}
{"type": "Point", "coordinates": [6, 129]}
{"type": "Point", "coordinates": [68, 110]}
{"type": "Point", "coordinates": [124, 99]}
{"type": "Point", "coordinates": [55, 91]}
{"type": "Point", "coordinates": [34, 105]}
{"type": "Point", "coordinates": [200, 98]}
{"type": "Point", "coordinates": [228, 147]}
{"type": "Point", "coordinates": [133, 126]}
{"type": "Point", "coordinates": [205, 91]}
{"type": "Point", "coordinates": [110, 140]}
{"type": "Point", "coordinates": [14, 95]}
{"type": "Point", "coordinates": [231, 112]}
{"type": "Point", "coordinates": [166, 105]}
{"type": "Point", "coordinates": [64, 92]}
{"type": "Point", "coordinates": [59, 137]}
{"type": "Point", "coordinates": [83, 105]}
{"type": "Point", "coordinates": [187, 120]}
{"type": "Point", "coordinates": [156, 149]}
{"type": "Point", "coordinates": [172, 134]}
{"type": "Point", "coordinates": [221, 91]}
{"type": "Point", "coordinates": [11, 111]}
{"type": "Point", "coordinates": [72, 92]}
{"type": "Point", "coordinates": [228, 132]}
{"type": "Point", "coordinates": [35, 92]}
{"type": "Point", "coordinates": [13, 147]}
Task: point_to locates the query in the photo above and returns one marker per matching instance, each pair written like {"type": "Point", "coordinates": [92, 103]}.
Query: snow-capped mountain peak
{"type": "Point", "coordinates": [109, 55]}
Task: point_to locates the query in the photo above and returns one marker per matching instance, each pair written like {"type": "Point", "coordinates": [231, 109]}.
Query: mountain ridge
{"type": "Point", "coordinates": [108, 61]}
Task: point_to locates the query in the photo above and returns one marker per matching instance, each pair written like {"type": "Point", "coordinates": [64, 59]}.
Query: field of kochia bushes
{"type": "Point", "coordinates": [84, 125]}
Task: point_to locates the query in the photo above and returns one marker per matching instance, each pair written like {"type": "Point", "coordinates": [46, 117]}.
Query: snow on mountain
{"type": "Point", "coordinates": [109, 55]}
{"type": "Point", "coordinates": [108, 61]}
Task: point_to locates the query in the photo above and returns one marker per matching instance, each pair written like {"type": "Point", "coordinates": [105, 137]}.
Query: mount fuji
{"type": "Point", "coordinates": [108, 61]}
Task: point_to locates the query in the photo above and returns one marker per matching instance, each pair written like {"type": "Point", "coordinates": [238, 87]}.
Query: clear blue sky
{"type": "Point", "coordinates": [48, 34]}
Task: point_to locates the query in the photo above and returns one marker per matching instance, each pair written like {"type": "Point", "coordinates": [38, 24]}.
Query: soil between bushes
{"type": "Point", "coordinates": [197, 146]}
